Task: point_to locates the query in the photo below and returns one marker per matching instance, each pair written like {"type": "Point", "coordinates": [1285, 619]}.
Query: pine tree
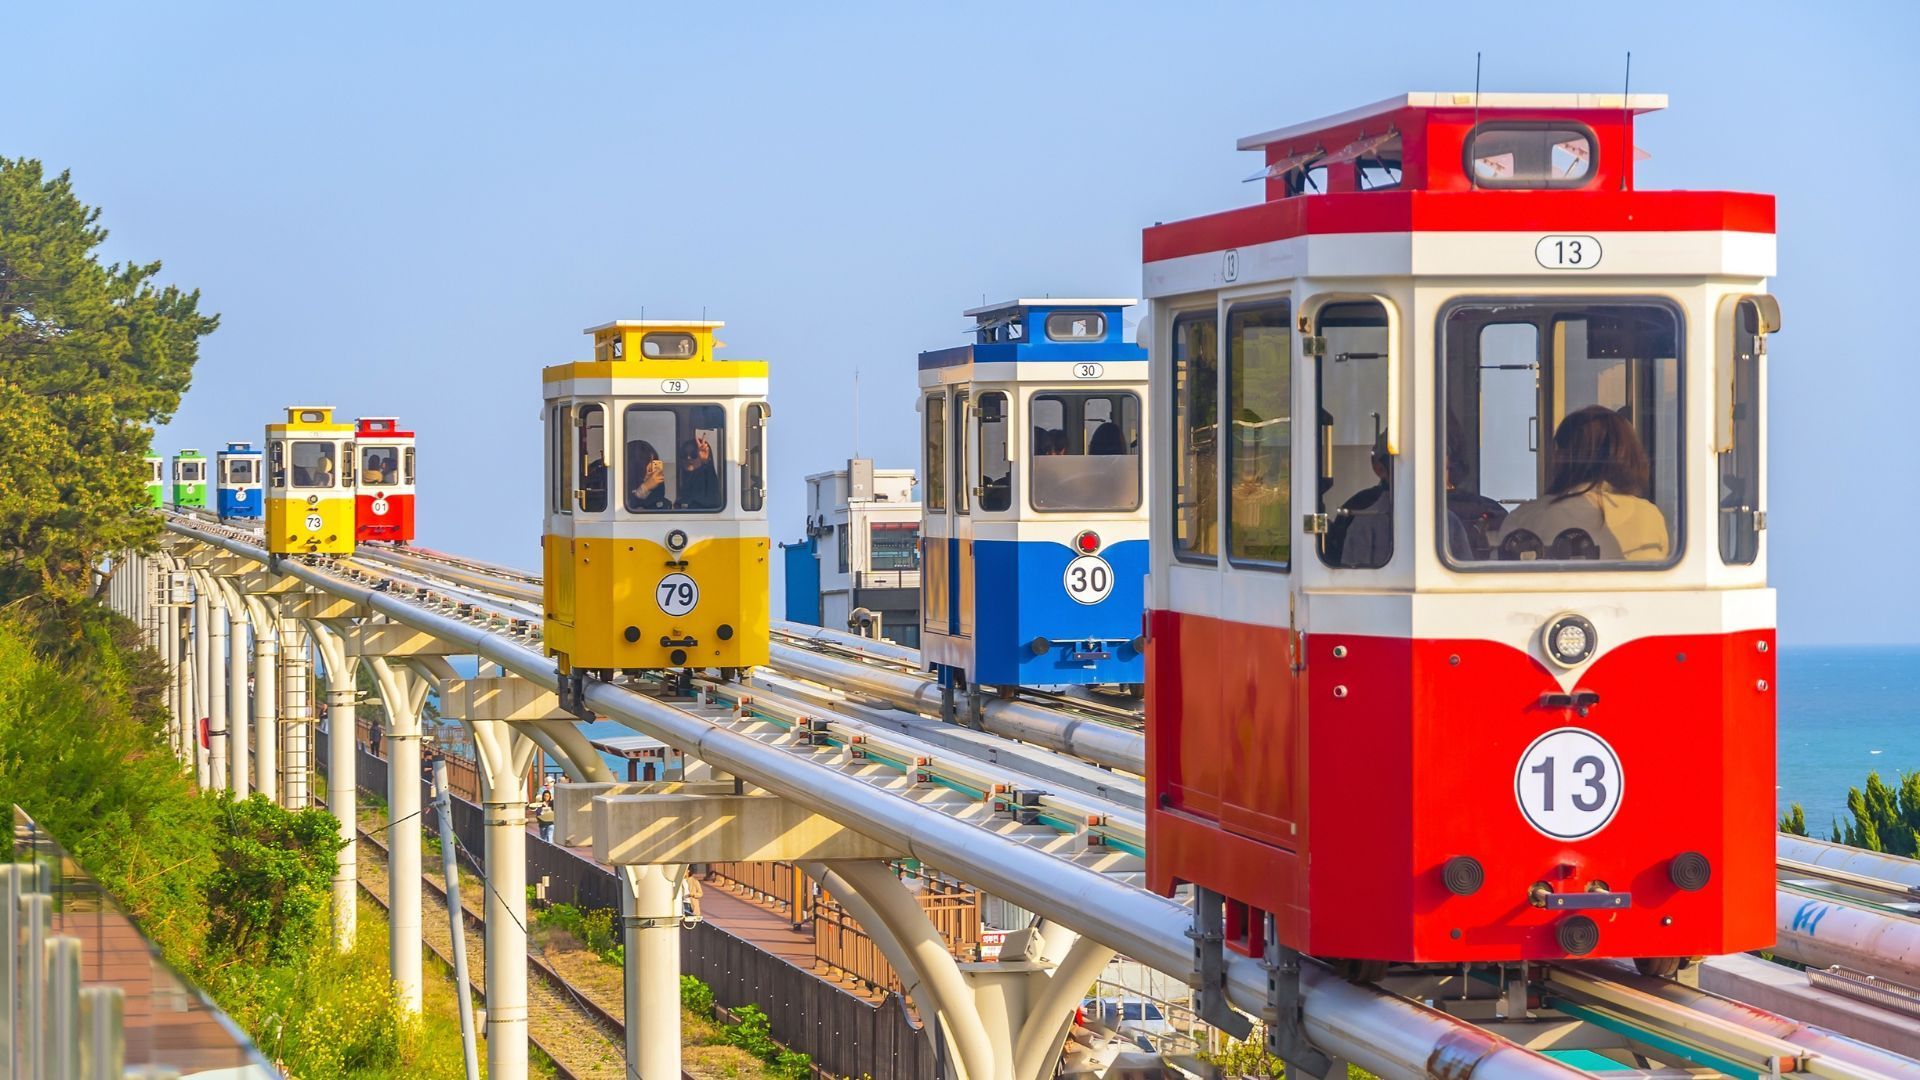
{"type": "Point", "coordinates": [1794, 821]}
{"type": "Point", "coordinates": [91, 357]}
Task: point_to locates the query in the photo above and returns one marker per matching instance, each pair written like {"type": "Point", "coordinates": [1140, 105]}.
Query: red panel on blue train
{"type": "Point", "coordinates": [1460, 639]}
{"type": "Point", "coordinates": [383, 481]}
{"type": "Point", "coordinates": [1034, 520]}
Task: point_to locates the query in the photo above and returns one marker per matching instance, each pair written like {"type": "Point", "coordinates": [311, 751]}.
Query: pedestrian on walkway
{"type": "Point", "coordinates": [543, 811]}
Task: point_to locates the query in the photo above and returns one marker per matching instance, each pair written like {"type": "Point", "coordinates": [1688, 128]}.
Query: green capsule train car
{"type": "Point", "coordinates": [190, 479]}
{"type": "Point", "coordinates": [156, 482]}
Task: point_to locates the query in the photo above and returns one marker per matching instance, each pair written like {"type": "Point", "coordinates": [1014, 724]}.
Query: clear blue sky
{"type": "Point", "coordinates": [409, 209]}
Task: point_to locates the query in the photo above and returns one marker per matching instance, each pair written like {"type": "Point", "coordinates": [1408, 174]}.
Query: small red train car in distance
{"type": "Point", "coordinates": [383, 485]}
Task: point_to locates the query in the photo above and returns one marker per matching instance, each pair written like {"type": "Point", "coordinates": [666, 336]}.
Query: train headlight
{"type": "Point", "coordinates": [313, 500]}
{"type": "Point", "coordinates": [1087, 542]}
{"type": "Point", "coordinates": [1569, 640]}
{"type": "Point", "coordinates": [677, 540]}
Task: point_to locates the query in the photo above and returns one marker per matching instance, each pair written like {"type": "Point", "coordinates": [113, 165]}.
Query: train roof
{"type": "Point", "coordinates": [240, 448]}
{"type": "Point", "coordinates": [1049, 302]}
{"type": "Point", "coordinates": [1488, 104]}
{"type": "Point", "coordinates": [190, 454]}
{"type": "Point", "coordinates": [656, 324]}
{"type": "Point", "coordinates": [381, 427]}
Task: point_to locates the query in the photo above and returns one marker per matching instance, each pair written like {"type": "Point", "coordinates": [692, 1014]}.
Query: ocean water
{"type": "Point", "coordinates": [1844, 711]}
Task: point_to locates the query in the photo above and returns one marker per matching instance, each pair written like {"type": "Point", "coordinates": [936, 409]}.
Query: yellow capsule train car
{"type": "Point", "coordinates": [656, 527]}
{"type": "Point", "coordinates": [310, 483]}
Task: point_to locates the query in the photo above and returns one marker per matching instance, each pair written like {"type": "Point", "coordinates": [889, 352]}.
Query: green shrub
{"type": "Point", "coordinates": [696, 997]}
{"type": "Point", "coordinates": [752, 1032]}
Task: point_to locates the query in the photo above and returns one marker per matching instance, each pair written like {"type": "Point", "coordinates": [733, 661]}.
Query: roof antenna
{"type": "Point", "coordinates": [1626, 114]}
{"type": "Point", "coordinates": [856, 411]}
{"type": "Point", "coordinates": [1473, 172]}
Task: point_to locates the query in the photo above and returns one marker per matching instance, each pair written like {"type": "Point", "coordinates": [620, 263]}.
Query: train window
{"type": "Point", "coordinates": [1522, 155]}
{"type": "Point", "coordinates": [1307, 181]}
{"type": "Point", "coordinates": [1740, 515]}
{"type": "Point", "coordinates": [1086, 450]}
{"type": "Point", "coordinates": [936, 452]}
{"type": "Point", "coordinates": [406, 467]}
{"type": "Point", "coordinates": [1563, 434]}
{"type": "Point", "coordinates": [693, 481]}
{"type": "Point", "coordinates": [667, 346]}
{"type": "Point", "coordinates": [961, 497]}
{"type": "Point", "coordinates": [1196, 419]}
{"type": "Point", "coordinates": [560, 458]}
{"type": "Point", "coordinates": [893, 545]}
{"type": "Point", "coordinates": [1076, 326]}
{"type": "Point", "coordinates": [1355, 488]}
{"type": "Point", "coordinates": [1377, 162]}
{"type": "Point", "coordinates": [159, 470]}
{"type": "Point", "coordinates": [1260, 441]}
{"type": "Point", "coordinates": [591, 422]}
{"type": "Point", "coordinates": [240, 471]}
{"type": "Point", "coordinates": [380, 465]}
{"type": "Point", "coordinates": [996, 468]}
{"type": "Point", "coordinates": [313, 463]}
{"type": "Point", "coordinates": [190, 472]}
{"type": "Point", "coordinates": [753, 491]}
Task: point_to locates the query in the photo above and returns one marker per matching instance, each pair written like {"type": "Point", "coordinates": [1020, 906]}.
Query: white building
{"type": "Point", "coordinates": [860, 561]}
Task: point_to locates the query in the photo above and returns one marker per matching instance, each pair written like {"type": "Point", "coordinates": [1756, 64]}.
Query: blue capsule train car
{"type": "Point", "coordinates": [1034, 523]}
{"type": "Point", "coordinates": [238, 472]}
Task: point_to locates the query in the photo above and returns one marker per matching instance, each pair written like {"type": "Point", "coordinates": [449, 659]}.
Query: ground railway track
{"type": "Point", "coordinates": [557, 991]}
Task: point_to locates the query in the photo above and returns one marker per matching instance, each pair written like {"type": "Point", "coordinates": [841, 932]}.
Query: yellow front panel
{"type": "Point", "coordinates": [616, 585]}
{"type": "Point", "coordinates": [290, 524]}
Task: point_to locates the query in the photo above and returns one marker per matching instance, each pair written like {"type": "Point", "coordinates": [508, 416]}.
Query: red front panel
{"type": "Point", "coordinates": [1414, 750]}
{"type": "Point", "coordinates": [386, 518]}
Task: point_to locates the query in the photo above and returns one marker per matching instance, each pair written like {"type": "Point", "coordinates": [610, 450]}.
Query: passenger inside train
{"type": "Point", "coordinates": [699, 481]}
{"type": "Point", "coordinates": [650, 493]}
{"type": "Point", "coordinates": [1593, 507]}
{"type": "Point", "coordinates": [381, 465]}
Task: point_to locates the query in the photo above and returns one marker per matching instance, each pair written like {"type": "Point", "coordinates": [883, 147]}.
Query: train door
{"type": "Point", "coordinates": [1262, 705]}
{"type": "Point", "coordinates": [936, 554]}
{"type": "Point", "coordinates": [963, 440]}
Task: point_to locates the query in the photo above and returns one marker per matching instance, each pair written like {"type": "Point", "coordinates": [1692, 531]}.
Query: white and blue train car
{"type": "Point", "coordinates": [1034, 523]}
{"type": "Point", "coordinates": [237, 470]}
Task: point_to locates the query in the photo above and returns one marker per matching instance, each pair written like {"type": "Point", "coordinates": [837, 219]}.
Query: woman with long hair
{"type": "Point", "coordinates": [1595, 506]}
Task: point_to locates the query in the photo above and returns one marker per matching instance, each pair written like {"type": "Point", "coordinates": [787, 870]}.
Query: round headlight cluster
{"type": "Point", "coordinates": [677, 540]}
{"type": "Point", "coordinates": [1569, 640]}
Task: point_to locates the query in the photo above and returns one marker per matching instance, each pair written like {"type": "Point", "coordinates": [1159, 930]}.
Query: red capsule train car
{"type": "Point", "coordinates": [1460, 641]}
{"type": "Point", "coordinates": [383, 485]}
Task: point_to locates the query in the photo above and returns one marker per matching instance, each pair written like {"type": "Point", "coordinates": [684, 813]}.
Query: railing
{"type": "Point", "coordinates": [463, 776]}
{"type": "Point", "coordinates": [840, 945]}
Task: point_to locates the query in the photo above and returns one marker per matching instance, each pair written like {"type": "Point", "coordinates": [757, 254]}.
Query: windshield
{"type": "Point", "coordinates": [675, 458]}
{"type": "Point", "coordinates": [313, 464]}
{"type": "Point", "coordinates": [240, 471]}
{"type": "Point", "coordinates": [1086, 450]}
{"type": "Point", "coordinates": [1562, 434]}
{"type": "Point", "coordinates": [379, 465]}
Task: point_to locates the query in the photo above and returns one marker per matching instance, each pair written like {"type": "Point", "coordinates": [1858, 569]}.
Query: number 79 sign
{"type": "Point", "coordinates": [677, 594]}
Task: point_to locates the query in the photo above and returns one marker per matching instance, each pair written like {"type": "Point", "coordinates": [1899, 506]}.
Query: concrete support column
{"type": "Point", "coordinates": [402, 742]}
{"type": "Point", "coordinates": [218, 629]}
{"type": "Point", "coordinates": [342, 723]}
{"type": "Point", "coordinates": [266, 698]}
{"type": "Point", "coordinates": [296, 714]}
{"type": "Point", "coordinates": [506, 873]}
{"type": "Point", "coordinates": [202, 653]}
{"type": "Point", "coordinates": [237, 719]}
{"type": "Point", "coordinates": [170, 653]}
{"type": "Point", "coordinates": [650, 928]}
{"type": "Point", "coordinates": [503, 759]}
